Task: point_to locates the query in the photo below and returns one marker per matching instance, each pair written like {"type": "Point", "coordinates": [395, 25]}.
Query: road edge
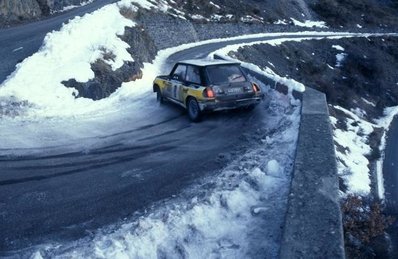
{"type": "Point", "coordinates": [313, 224]}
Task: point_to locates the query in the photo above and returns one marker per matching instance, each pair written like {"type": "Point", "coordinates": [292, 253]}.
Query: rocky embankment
{"type": "Point", "coordinates": [16, 11]}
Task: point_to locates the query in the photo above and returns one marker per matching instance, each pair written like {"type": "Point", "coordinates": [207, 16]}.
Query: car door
{"type": "Point", "coordinates": [193, 79]}
{"type": "Point", "coordinates": [177, 80]}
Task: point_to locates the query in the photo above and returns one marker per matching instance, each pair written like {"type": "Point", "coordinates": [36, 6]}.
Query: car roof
{"type": "Point", "coordinates": [207, 62]}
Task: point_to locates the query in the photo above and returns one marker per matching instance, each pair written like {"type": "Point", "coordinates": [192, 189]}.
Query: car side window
{"type": "Point", "coordinates": [193, 75]}
{"type": "Point", "coordinates": [180, 72]}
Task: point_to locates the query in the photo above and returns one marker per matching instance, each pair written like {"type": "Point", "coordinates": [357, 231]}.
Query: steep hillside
{"type": "Point", "coordinates": [247, 11]}
{"type": "Point", "coordinates": [357, 13]}
{"type": "Point", "coordinates": [336, 13]}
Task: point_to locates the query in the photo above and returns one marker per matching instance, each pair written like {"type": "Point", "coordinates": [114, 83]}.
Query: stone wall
{"type": "Point", "coordinates": [168, 31]}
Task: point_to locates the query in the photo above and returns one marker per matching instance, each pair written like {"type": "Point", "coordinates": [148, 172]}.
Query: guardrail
{"type": "Point", "coordinates": [313, 225]}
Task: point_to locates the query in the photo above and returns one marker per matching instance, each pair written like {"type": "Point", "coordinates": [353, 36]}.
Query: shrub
{"type": "Point", "coordinates": [364, 220]}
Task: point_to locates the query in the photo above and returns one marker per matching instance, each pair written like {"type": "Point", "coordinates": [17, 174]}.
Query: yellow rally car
{"type": "Point", "coordinates": [207, 85]}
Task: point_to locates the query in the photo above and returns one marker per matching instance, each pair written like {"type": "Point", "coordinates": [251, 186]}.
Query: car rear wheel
{"type": "Point", "coordinates": [194, 112]}
{"type": "Point", "coordinates": [159, 96]}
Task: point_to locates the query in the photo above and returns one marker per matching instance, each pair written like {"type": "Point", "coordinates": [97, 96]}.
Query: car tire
{"type": "Point", "coordinates": [193, 109]}
{"type": "Point", "coordinates": [159, 96]}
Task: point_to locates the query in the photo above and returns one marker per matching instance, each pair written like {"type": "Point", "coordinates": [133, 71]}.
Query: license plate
{"type": "Point", "coordinates": [235, 90]}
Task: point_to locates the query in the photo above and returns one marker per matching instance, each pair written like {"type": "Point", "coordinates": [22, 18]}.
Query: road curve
{"type": "Point", "coordinates": [19, 42]}
{"type": "Point", "coordinates": [64, 196]}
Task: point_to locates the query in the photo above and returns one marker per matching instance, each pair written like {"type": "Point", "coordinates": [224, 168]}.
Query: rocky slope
{"type": "Point", "coordinates": [336, 13]}
{"type": "Point", "coordinates": [14, 11]}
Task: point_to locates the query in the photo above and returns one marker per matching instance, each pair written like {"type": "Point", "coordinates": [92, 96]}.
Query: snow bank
{"type": "Point", "coordinates": [67, 54]}
{"type": "Point", "coordinates": [352, 150]}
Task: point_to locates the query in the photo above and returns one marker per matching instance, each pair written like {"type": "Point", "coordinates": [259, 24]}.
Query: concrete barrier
{"type": "Point", "coordinates": [313, 225]}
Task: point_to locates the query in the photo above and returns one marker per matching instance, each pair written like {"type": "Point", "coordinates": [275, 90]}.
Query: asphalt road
{"type": "Point", "coordinates": [63, 196]}
{"type": "Point", "coordinates": [19, 42]}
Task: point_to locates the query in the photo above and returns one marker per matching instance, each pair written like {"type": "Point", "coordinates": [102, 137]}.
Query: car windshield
{"type": "Point", "coordinates": [225, 74]}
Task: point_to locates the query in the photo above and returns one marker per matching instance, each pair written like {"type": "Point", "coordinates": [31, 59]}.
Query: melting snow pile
{"type": "Point", "coordinates": [237, 214]}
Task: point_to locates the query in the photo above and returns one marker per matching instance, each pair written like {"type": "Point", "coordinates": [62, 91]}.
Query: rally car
{"type": "Point", "coordinates": [207, 85]}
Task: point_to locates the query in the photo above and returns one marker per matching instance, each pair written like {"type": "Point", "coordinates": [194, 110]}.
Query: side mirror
{"type": "Point", "coordinates": [176, 77]}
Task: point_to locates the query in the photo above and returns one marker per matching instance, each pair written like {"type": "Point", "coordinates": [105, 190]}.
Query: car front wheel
{"type": "Point", "coordinates": [194, 112]}
{"type": "Point", "coordinates": [159, 96]}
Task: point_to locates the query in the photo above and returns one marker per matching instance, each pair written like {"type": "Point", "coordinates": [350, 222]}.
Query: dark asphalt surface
{"type": "Point", "coordinates": [19, 42]}
{"type": "Point", "coordinates": [62, 197]}
{"type": "Point", "coordinates": [65, 196]}
{"type": "Point", "coordinates": [390, 172]}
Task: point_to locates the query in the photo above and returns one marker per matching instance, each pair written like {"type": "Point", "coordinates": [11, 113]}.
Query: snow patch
{"type": "Point", "coordinates": [273, 168]}
{"type": "Point", "coordinates": [340, 59]}
{"type": "Point", "coordinates": [281, 22]}
{"type": "Point", "coordinates": [352, 150]}
{"type": "Point", "coordinates": [309, 24]}
{"type": "Point", "coordinates": [338, 47]}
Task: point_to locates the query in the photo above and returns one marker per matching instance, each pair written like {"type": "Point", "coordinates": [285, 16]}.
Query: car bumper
{"type": "Point", "coordinates": [216, 105]}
